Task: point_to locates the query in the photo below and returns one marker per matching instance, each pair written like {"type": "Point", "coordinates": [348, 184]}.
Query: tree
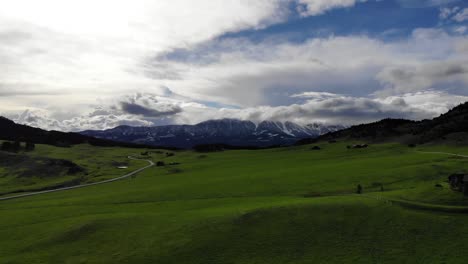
{"type": "Point", "coordinates": [359, 189]}
{"type": "Point", "coordinates": [16, 146]}
{"type": "Point", "coordinates": [6, 146]}
{"type": "Point", "coordinates": [30, 146]}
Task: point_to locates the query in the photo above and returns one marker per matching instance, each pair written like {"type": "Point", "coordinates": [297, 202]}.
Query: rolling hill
{"type": "Point", "coordinates": [284, 205]}
{"type": "Point", "coordinates": [9, 130]}
{"type": "Point", "coordinates": [449, 127]}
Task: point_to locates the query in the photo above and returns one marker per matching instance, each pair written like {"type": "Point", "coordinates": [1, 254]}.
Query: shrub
{"type": "Point", "coordinates": [30, 146]}
{"type": "Point", "coordinates": [6, 146]}
{"type": "Point", "coordinates": [359, 189]}
{"type": "Point", "coordinates": [16, 146]}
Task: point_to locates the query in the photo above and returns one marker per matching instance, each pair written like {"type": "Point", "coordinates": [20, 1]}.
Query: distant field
{"type": "Point", "coordinates": [32, 171]}
{"type": "Point", "coordinates": [286, 205]}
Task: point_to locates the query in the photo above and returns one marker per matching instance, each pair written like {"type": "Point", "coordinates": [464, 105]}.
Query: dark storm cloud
{"type": "Point", "coordinates": [136, 109]}
{"type": "Point", "coordinates": [364, 110]}
{"type": "Point", "coordinates": [442, 75]}
{"type": "Point", "coordinates": [455, 69]}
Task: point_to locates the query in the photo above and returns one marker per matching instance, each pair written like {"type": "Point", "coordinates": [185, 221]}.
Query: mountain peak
{"type": "Point", "coordinates": [226, 131]}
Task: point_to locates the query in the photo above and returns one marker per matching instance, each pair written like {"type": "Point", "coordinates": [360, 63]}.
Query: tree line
{"type": "Point", "coordinates": [16, 146]}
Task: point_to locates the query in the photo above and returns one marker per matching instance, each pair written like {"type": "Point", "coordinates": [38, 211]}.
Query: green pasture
{"type": "Point", "coordinates": [284, 205]}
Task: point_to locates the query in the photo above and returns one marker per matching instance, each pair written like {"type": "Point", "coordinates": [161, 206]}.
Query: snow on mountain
{"type": "Point", "coordinates": [226, 131]}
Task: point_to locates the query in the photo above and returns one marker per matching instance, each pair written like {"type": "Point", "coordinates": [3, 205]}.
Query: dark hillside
{"type": "Point", "coordinates": [30, 172]}
{"type": "Point", "coordinates": [450, 127]}
{"type": "Point", "coordinates": [446, 126]}
{"type": "Point", "coordinates": [384, 129]}
{"type": "Point", "coordinates": [9, 130]}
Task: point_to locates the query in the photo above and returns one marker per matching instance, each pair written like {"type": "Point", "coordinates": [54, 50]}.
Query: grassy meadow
{"type": "Point", "coordinates": [32, 171]}
{"type": "Point", "coordinates": [284, 205]}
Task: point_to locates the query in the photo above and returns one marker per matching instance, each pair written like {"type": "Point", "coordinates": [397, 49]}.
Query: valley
{"type": "Point", "coordinates": [284, 205]}
{"type": "Point", "coordinates": [234, 132]}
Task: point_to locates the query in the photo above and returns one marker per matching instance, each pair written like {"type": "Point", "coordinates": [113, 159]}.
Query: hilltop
{"type": "Point", "coordinates": [451, 127]}
{"type": "Point", "coordinates": [12, 131]}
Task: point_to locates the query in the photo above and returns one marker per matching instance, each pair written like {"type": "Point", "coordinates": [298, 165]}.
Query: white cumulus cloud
{"type": "Point", "coordinates": [316, 7]}
{"type": "Point", "coordinates": [97, 64]}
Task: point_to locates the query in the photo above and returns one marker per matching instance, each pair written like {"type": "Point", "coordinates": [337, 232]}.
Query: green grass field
{"type": "Point", "coordinates": [29, 171]}
{"type": "Point", "coordinates": [285, 205]}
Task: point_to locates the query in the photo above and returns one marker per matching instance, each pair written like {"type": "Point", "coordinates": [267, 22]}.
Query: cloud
{"type": "Point", "coordinates": [136, 109]}
{"type": "Point", "coordinates": [101, 122]}
{"type": "Point", "coordinates": [435, 102]}
{"type": "Point", "coordinates": [424, 3]}
{"type": "Point", "coordinates": [49, 46]}
{"type": "Point", "coordinates": [461, 29]}
{"type": "Point", "coordinates": [337, 109]}
{"type": "Point", "coordinates": [454, 13]}
{"type": "Point", "coordinates": [461, 16]}
{"type": "Point", "coordinates": [227, 70]}
{"type": "Point", "coordinates": [317, 7]}
{"type": "Point", "coordinates": [316, 96]}
{"type": "Point", "coordinates": [74, 73]}
{"type": "Point", "coordinates": [248, 75]}
{"type": "Point", "coordinates": [447, 12]}
{"type": "Point", "coordinates": [229, 74]}
{"type": "Point", "coordinates": [326, 108]}
{"type": "Point", "coordinates": [424, 76]}
{"type": "Point", "coordinates": [38, 118]}
{"type": "Point", "coordinates": [43, 119]}
{"type": "Point", "coordinates": [148, 106]}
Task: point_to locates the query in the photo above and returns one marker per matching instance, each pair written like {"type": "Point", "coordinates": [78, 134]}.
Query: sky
{"type": "Point", "coordinates": [96, 64]}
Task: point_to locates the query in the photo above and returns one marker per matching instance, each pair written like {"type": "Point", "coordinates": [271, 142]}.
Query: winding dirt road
{"type": "Point", "coordinates": [443, 153]}
{"type": "Point", "coordinates": [151, 164]}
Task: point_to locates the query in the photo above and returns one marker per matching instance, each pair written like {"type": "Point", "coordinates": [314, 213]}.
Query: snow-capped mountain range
{"type": "Point", "coordinates": [226, 131]}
